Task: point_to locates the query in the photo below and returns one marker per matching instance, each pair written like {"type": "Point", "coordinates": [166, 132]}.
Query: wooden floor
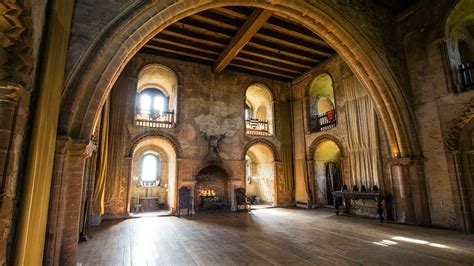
{"type": "Point", "coordinates": [272, 236]}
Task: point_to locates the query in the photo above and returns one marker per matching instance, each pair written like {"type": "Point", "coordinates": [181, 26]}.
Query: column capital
{"type": "Point", "coordinates": [74, 147]}
{"type": "Point", "coordinates": [405, 161]}
{"type": "Point", "coordinates": [11, 92]}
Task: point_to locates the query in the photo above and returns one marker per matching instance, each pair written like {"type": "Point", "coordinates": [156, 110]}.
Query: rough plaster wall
{"type": "Point", "coordinates": [207, 103]}
{"type": "Point", "coordinates": [434, 102]}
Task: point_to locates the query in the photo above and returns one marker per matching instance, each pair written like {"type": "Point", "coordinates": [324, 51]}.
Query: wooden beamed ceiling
{"type": "Point", "coordinates": [243, 39]}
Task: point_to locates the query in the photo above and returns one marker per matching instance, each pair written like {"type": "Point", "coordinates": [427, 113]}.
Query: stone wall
{"type": "Point", "coordinates": [433, 86]}
{"type": "Point", "coordinates": [204, 106]}
{"type": "Point", "coordinates": [305, 147]}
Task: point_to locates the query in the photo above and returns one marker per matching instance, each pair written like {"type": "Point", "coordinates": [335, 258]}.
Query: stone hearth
{"type": "Point", "coordinates": [211, 190]}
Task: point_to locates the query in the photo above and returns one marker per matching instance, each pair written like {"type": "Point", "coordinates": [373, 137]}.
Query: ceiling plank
{"type": "Point", "coordinates": [271, 56]}
{"type": "Point", "coordinates": [243, 36]}
{"type": "Point", "coordinates": [270, 63]}
{"type": "Point", "coordinates": [182, 51]}
{"type": "Point", "coordinates": [257, 73]}
{"type": "Point", "coordinates": [183, 42]}
{"type": "Point", "coordinates": [258, 68]}
{"type": "Point", "coordinates": [196, 36]}
{"type": "Point", "coordinates": [173, 54]}
{"type": "Point", "coordinates": [270, 51]}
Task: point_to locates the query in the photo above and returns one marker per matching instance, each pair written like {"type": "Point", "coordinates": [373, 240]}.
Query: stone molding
{"type": "Point", "coordinates": [269, 144]}
{"type": "Point", "coordinates": [74, 147]}
{"type": "Point", "coordinates": [325, 137]}
{"type": "Point", "coordinates": [153, 134]}
{"type": "Point", "coordinates": [215, 163]}
{"type": "Point", "coordinates": [452, 135]}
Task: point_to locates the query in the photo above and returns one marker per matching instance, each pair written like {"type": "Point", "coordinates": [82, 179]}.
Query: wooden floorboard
{"type": "Point", "coordinates": [273, 236]}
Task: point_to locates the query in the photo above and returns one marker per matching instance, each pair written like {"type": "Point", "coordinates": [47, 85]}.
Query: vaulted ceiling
{"type": "Point", "coordinates": [243, 39]}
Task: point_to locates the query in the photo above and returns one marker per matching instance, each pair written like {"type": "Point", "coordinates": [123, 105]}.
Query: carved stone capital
{"type": "Point", "coordinates": [10, 93]}
{"type": "Point", "coordinates": [74, 147]}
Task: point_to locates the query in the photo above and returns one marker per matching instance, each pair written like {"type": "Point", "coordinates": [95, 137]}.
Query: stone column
{"type": "Point", "coordinates": [311, 181]}
{"type": "Point", "coordinates": [409, 191]}
{"type": "Point", "coordinates": [62, 233]}
{"type": "Point", "coordinates": [126, 173]}
{"type": "Point", "coordinates": [14, 101]}
{"type": "Point", "coordinates": [459, 190]}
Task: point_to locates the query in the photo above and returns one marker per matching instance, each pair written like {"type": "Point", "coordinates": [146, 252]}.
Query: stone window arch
{"type": "Point", "coordinates": [321, 104]}
{"type": "Point", "coordinates": [150, 168]}
{"type": "Point", "coordinates": [459, 33]}
{"type": "Point", "coordinates": [259, 110]}
{"type": "Point", "coordinates": [157, 94]}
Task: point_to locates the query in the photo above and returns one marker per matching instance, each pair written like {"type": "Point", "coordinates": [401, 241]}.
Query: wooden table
{"type": "Point", "coordinates": [149, 203]}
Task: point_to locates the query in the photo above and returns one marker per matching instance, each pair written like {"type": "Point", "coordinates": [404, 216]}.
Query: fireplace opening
{"type": "Point", "coordinates": [211, 190]}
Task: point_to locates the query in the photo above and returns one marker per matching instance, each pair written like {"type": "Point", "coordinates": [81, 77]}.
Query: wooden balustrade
{"type": "Point", "coordinates": [257, 127]}
{"type": "Point", "coordinates": [159, 120]}
{"type": "Point", "coordinates": [323, 122]}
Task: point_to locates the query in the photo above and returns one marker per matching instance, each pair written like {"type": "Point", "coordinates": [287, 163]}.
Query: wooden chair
{"type": "Point", "coordinates": [241, 199]}
{"type": "Point", "coordinates": [184, 200]}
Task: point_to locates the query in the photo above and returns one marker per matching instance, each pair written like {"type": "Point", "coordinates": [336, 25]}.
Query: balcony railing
{"type": "Point", "coordinates": [323, 122]}
{"type": "Point", "coordinates": [257, 127]}
{"type": "Point", "coordinates": [467, 71]}
{"type": "Point", "coordinates": [159, 120]}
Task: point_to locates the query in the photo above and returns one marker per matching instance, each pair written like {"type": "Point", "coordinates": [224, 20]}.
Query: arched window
{"type": "Point", "coordinates": [152, 103]}
{"type": "Point", "coordinates": [157, 91]}
{"type": "Point", "coordinates": [321, 104]}
{"type": "Point", "coordinates": [150, 169]}
{"type": "Point", "coordinates": [258, 110]}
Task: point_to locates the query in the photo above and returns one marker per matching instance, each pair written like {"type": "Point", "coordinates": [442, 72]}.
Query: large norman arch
{"type": "Point", "coordinates": [93, 77]}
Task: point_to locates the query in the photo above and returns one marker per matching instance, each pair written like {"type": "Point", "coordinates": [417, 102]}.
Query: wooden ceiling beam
{"type": "Point", "coordinates": [289, 41]}
{"type": "Point", "coordinates": [207, 30]}
{"type": "Point", "coordinates": [268, 63]}
{"type": "Point", "coordinates": [268, 50]}
{"type": "Point", "coordinates": [259, 68]}
{"type": "Point", "coordinates": [172, 54]}
{"type": "Point", "coordinates": [257, 73]}
{"type": "Point", "coordinates": [243, 36]}
{"type": "Point", "coordinates": [187, 43]}
{"type": "Point", "coordinates": [182, 51]}
{"type": "Point", "coordinates": [182, 45]}
{"type": "Point", "coordinates": [274, 58]}
{"type": "Point", "coordinates": [196, 36]}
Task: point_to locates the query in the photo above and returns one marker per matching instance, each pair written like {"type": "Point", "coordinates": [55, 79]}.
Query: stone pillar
{"type": "Point", "coordinates": [62, 235]}
{"type": "Point", "coordinates": [14, 101]}
{"type": "Point", "coordinates": [460, 193]}
{"type": "Point", "coordinates": [126, 173]}
{"type": "Point", "coordinates": [409, 191]}
{"type": "Point", "coordinates": [311, 181]}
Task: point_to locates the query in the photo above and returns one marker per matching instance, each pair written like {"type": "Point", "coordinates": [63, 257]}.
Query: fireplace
{"type": "Point", "coordinates": [211, 190]}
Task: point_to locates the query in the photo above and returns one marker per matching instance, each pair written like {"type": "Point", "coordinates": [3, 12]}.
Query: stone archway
{"type": "Point", "coordinates": [92, 79]}
{"type": "Point", "coordinates": [270, 145]}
